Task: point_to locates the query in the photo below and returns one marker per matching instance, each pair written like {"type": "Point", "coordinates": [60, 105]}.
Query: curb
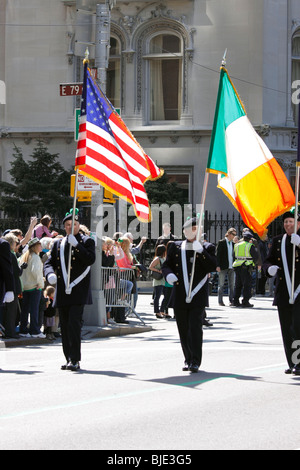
{"type": "Point", "coordinates": [93, 332]}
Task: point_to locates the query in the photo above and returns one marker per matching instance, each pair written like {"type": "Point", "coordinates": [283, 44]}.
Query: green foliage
{"type": "Point", "coordinates": [163, 192]}
{"type": "Point", "coordinates": [38, 186]}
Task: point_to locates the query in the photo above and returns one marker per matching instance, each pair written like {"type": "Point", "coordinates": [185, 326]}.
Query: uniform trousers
{"type": "Point", "coordinates": [290, 329]}
{"type": "Point", "coordinates": [243, 283]}
{"type": "Point", "coordinates": [71, 324]}
{"type": "Point", "coordinates": [189, 322]}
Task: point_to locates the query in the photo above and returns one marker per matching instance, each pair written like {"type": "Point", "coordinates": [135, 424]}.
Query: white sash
{"type": "Point", "coordinates": [64, 269]}
{"type": "Point", "coordinates": [286, 271]}
{"type": "Point", "coordinates": [185, 274]}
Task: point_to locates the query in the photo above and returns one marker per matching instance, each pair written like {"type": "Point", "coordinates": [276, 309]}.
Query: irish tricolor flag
{"type": "Point", "coordinates": [248, 173]}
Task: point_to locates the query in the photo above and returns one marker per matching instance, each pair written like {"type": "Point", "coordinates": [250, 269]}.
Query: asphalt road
{"type": "Point", "coordinates": [131, 393]}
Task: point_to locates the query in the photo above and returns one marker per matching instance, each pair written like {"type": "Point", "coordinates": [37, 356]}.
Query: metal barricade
{"type": "Point", "coordinates": [117, 284]}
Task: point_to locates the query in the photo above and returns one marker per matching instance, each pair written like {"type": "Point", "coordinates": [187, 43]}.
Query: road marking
{"type": "Point", "coordinates": [165, 387]}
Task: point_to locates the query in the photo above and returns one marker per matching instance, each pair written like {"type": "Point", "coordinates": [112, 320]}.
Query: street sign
{"type": "Point", "coordinates": [70, 89]}
{"type": "Point", "coordinates": [77, 122]}
{"type": "Point", "coordinates": [85, 184]}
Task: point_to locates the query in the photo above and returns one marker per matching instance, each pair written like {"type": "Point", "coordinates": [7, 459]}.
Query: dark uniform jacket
{"type": "Point", "coordinates": [205, 263]}
{"type": "Point", "coordinates": [282, 296]}
{"type": "Point", "coordinates": [83, 256]}
{"type": "Point", "coordinates": [7, 283]}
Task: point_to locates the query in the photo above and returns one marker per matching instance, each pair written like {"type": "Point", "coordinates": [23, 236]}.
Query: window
{"type": "Point", "coordinates": [183, 182]}
{"type": "Point", "coordinates": [113, 81]}
{"type": "Point", "coordinates": [164, 61]}
{"type": "Point", "coordinates": [296, 71]}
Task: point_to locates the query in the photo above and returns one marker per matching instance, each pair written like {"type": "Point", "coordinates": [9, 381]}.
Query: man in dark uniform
{"type": "Point", "coordinates": [279, 263]}
{"type": "Point", "coordinates": [70, 302]}
{"type": "Point", "coordinates": [188, 311]}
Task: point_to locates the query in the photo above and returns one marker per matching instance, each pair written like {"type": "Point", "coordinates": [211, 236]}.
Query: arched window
{"type": "Point", "coordinates": [164, 75]}
{"type": "Point", "coordinates": [113, 81]}
{"type": "Point", "coordinates": [296, 74]}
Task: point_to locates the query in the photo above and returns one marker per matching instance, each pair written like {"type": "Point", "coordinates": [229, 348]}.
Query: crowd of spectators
{"type": "Point", "coordinates": [32, 314]}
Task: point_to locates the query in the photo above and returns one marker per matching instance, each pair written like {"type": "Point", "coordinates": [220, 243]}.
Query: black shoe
{"type": "Point", "coordinates": [236, 305]}
{"type": "Point", "coordinates": [207, 323]}
{"type": "Point", "coordinates": [288, 371]}
{"type": "Point", "coordinates": [186, 367]}
{"type": "Point", "coordinates": [64, 366]}
{"type": "Point", "coordinates": [221, 304]}
{"type": "Point", "coordinates": [296, 370]}
{"type": "Point", "coordinates": [74, 366]}
{"type": "Point", "coordinates": [194, 368]}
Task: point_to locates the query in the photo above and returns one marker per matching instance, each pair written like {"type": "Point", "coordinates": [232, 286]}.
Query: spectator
{"type": "Point", "coordinates": [6, 275]}
{"type": "Point", "coordinates": [127, 261]}
{"type": "Point", "coordinates": [49, 313]}
{"type": "Point", "coordinates": [43, 229]}
{"type": "Point", "coordinates": [11, 310]}
{"type": "Point", "coordinates": [158, 284]}
{"type": "Point", "coordinates": [225, 254]}
{"type": "Point", "coordinates": [33, 283]}
{"type": "Point", "coordinates": [127, 286]}
{"type": "Point", "coordinates": [135, 250]}
{"type": "Point", "coordinates": [166, 236]}
{"type": "Point", "coordinates": [46, 243]}
{"type": "Point", "coordinates": [108, 279]}
{"type": "Point", "coordinates": [24, 240]}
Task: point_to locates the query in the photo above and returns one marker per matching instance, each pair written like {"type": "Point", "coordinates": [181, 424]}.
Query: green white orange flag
{"type": "Point", "coordinates": [249, 175]}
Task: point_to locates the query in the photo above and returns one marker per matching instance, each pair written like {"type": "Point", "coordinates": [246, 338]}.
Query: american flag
{"type": "Point", "coordinates": [109, 154]}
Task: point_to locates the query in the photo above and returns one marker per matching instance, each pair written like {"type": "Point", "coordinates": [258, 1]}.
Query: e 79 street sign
{"type": "Point", "coordinates": [70, 89]}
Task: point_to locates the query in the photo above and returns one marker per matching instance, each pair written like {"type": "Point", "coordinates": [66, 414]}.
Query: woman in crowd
{"type": "Point", "coordinates": [159, 281]}
{"type": "Point", "coordinates": [33, 284]}
{"type": "Point", "coordinates": [126, 262]}
{"type": "Point", "coordinates": [11, 310]}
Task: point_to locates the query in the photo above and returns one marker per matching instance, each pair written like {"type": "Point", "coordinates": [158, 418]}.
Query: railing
{"type": "Point", "coordinates": [117, 284]}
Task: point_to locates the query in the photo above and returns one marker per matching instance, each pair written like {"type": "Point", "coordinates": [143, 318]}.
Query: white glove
{"type": "Point", "coordinates": [52, 279]}
{"type": "Point", "coordinates": [273, 270]}
{"type": "Point", "coordinates": [295, 239]}
{"type": "Point", "coordinates": [171, 278]}
{"type": "Point", "coordinates": [197, 247]}
{"type": "Point", "coordinates": [9, 297]}
{"type": "Point", "coordinates": [72, 240]}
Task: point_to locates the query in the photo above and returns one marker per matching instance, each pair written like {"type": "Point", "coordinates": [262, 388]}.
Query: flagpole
{"type": "Point", "coordinates": [85, 61]}
{"type": "Point", "coordinates": [292, 300]}
{"type": "Point", "coordinates": [199, 234]}
{"type": "Point", "coordinates": [199, 231]}
{"type": "Point", "coordinates": [72, 231]}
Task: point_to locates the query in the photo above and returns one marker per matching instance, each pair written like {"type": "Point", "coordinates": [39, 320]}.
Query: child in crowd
{"type": "Point", "coordinates": [49, 313]}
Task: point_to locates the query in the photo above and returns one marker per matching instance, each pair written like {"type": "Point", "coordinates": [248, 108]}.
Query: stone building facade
{"type": "Point", "coordinates": [163, 75]}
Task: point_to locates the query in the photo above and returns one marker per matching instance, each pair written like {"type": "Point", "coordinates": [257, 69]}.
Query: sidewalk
{"type": "Point", "coordinates": [89, 332]}
{"type": "Point", "coordinates": [145, 310]}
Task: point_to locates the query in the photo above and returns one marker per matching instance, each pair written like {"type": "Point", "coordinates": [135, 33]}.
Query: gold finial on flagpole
{"type": "Point", "coordinates": [86, 56]}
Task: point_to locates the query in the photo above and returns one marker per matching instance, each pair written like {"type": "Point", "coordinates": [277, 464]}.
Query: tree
{"type": "Point", "coordinates": [38, 186]}
{"type": "Point", "coordinates": [161, 191]}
